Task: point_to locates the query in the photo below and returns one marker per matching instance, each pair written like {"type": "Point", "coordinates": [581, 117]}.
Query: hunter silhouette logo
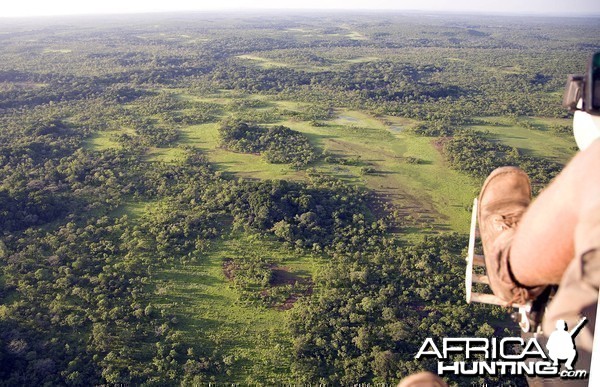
{"type": "Point", "coordinates": [561, 343]}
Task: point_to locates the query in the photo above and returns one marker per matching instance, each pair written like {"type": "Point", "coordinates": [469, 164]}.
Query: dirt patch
{"type": "Point", "coordinates": [284, 289]}
{"type": "Point", "coordinates": [282, 276]}
{"type": "Point", "coordinates": [440, 143]}
{"type": "Point", "coordinates": [229, 268]}
{"type": "Point", "coordinates": [291, 300]}
{"type": "Point", "coordinates": [289, 303]}
{"type": "Point", "coordinates": [381, 206]}
{"type": "Point", "coordinates": [413, 212]}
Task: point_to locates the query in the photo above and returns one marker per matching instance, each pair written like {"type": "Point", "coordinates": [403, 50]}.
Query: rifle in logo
{"type": "Point", "coordinates": [561, 343]}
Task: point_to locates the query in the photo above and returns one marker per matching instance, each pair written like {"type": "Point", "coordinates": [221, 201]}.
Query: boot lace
{"type": "Point", "coordinates": [504, 222]}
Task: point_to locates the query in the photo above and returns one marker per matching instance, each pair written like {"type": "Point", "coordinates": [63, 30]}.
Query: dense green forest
{"type": "Point", "coordinates": [270, 199]}
{"type": "Point", "coordinates": [277, 144]}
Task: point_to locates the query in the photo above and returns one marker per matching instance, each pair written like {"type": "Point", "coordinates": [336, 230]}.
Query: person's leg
{"type": "Point", "coordinates": [555, 239]}
{"type": "Point", "coordinates": [544, 242]}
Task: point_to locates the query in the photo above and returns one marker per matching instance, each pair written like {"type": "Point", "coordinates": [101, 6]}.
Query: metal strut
{"type": "Point", "coordinates": [529, 322]}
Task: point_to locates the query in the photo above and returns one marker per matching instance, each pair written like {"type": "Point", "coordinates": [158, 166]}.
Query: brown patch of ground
{"type": "Point", "coordinates": [229, 268]}
{"type": "Point", "coordinates": [413, 213]}
{"type": "Point", "coordinates": [289, 303]}
{"type": "Point", "coordinates": [281, 276]}
{"type": "Point", "coordinates": [382, 207]}
{"type": "Point", "coordinates": [439, 143]}
{"type": "Point", "coordinates": [403, 210]}
{"type": "Point", "coordinates": [291, 300]}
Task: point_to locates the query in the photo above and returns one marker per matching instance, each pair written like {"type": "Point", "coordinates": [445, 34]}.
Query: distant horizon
{"type": "Point", "coordinates": [290, 11]}
{"type": "Point", "coordinates": [64, 8]}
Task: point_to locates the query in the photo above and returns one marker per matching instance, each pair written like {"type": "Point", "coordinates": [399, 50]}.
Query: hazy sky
{"type": "Point", "coordinates": [69, 7]}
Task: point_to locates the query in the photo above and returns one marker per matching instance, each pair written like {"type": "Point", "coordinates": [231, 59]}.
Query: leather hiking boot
{"type": "Point", "coordinates": [505, 196]}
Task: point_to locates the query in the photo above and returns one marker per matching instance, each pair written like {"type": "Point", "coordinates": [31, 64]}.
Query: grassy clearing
{"type": "Point", "coordinates": [57, 51]}
{"type": "Point", "coordinates": [444, 193]}
{"type": "Point", "coordinates": [133, 209]}
{"type": "Point", "coordinates": [540, 142]}
{"type": "Point", "coordinates": [100, 141]}
{"type": "Point", "coordinates": [220, 97]}
{"type": "Point", "coordinates": [267, 63]}
{"type": "Point", "coordinates": [363, 59]}
{"type": "Point", "coordinates": [165, 155]}
{"type": "Point", "coordinates": [206, 137]}
{"type": "Point", "coordinates": [355, 35]}
{"type": "Point", "coordinates": [287, 105]}
{"type": "Point", "coordinates": [303, 30]}
{"type": "Point", "coordinates": [210, 312]}
{"type": "Point", "coordinates": [357, 118]}
{"type": "Point", "coordinates": [216, 99]}
{"type": "Point", "coordinates": [432, 196]}
{"type": "Point", "coordinates": [264, 62]}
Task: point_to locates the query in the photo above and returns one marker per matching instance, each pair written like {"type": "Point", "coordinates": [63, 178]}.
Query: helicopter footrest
{"type": "Point", "coordinates": [478, 260]}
